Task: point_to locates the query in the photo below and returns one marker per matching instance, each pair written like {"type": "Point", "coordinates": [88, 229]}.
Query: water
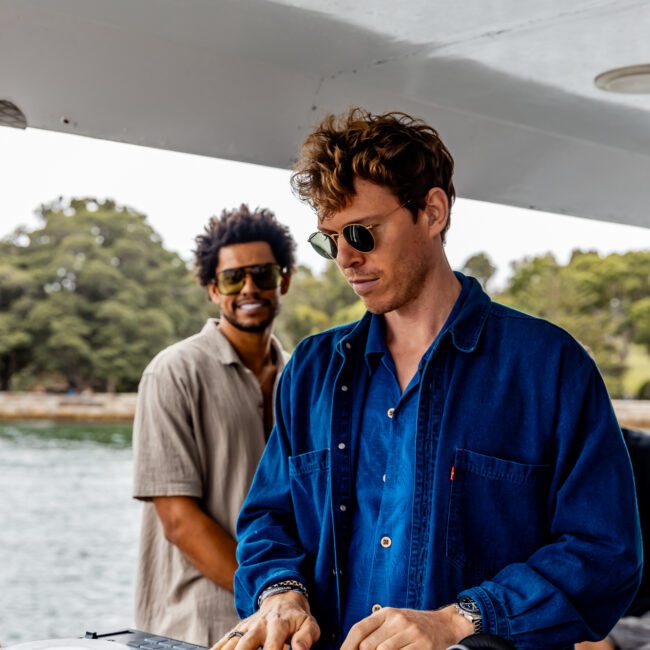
{"type": "Point", "coordinates": [68, 530]}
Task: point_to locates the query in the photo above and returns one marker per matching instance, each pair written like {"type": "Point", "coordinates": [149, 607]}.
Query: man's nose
{"type": "Point", "coordinates": [347, 256]}
{"type": "Point", "coordinates": [249, 284]}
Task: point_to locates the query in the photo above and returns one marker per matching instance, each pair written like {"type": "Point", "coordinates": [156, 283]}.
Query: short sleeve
{"type": "Point", "coordinates": [166, 457]}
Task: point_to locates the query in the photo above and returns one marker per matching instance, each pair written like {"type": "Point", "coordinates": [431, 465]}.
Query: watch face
{"type": "Point", "coordinates": [468, 605]}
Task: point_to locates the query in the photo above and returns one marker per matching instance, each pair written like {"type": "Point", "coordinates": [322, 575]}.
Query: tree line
{"type": "Point", "coordinates": [91, 295]}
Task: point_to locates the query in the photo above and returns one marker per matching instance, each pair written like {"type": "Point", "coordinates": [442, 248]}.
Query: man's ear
{"type": "Point", "coordinates": [286, 281]}
{"type": "Point", "coordinates": [436, 208]}
{"type": "Point", "coordinates": [213, 293]}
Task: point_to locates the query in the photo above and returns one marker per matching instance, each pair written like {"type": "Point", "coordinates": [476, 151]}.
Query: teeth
{"type": "Point", "coordinates": [249, 306]}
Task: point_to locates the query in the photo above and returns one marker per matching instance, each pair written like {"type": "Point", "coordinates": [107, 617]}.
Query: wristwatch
{"type": "Point", "coordinates": [468, 609]}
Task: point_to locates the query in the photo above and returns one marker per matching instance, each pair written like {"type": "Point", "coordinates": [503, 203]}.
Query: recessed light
{"type": "Point", "coordinates": [632, 80]}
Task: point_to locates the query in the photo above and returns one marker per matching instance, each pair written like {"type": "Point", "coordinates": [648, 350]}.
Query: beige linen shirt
{"type": "Point", "coordinates": [198, 432]}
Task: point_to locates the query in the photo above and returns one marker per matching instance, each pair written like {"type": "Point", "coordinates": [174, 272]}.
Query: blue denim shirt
{"type": "Point", "coordinates": [523, 493]}
{"type": "Point", "coordinates": [383, 461]}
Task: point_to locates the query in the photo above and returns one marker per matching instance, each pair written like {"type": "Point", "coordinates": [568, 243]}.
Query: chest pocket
{"type": "Point", "coordinates": [497, 512]}
{"type": "Point", "coordinates": [310, 491]}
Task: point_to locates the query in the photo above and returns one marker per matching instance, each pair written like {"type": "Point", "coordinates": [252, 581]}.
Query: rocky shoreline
{"type": "Point", "coordinates": [120, 407]}
{"type": "Point", "coordinates": [94, 407]}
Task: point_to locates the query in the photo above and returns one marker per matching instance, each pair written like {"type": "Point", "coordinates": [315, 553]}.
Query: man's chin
{"type": "Point", "coordinates": [253, 326]}
{"type": "Point", "coordinates": [375, 306]}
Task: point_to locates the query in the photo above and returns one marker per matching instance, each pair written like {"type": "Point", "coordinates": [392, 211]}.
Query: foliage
{"type": "Point", "coordinates": [90, 297]}
{"type": "Point", "coordinates": [315, 303]}
{"type": "Point", "coordinates": [480, 267]}
{"type": "Point", "coordinates": [603, 302]}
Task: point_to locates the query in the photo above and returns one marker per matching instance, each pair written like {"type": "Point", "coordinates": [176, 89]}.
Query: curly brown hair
{"type": "Point", "coordinates": [239, 226]}
{"type": "Point", "coordinates": [394, 150]}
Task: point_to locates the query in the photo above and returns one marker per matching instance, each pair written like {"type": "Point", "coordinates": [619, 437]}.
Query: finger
{"type": "Point", "coordinates": [359, 631]}
{"type": "Point", "coordinates": [225, 642]}
{"type": "Point", "coordinates": [220, 643]}
{"type": "Point", "coordinates": [253, 639]}
{"type": "Point", "coordinates": [306, 635]}
{"type": "Point", "coordinates": [384, 639]}
{"type": "Point", "coordinates": [277, 634]}
{"type": "Point", "coordinates": [232, 643]}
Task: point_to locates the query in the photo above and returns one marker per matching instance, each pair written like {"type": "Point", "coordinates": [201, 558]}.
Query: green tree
{"type": "Point", "coordinates": [480, 267]}
{"type": "Point", "coordinates": [602, 301]}
{"type": "Point", "coordinates": [315, 303]}
{"type": "Point", "coordinates": [90, 296]}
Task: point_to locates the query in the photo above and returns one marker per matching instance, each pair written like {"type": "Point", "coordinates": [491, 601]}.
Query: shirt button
{"type": "Point", "coordinates": [383, 478]}
{"type": "Point", "coordinates": [386, 541]}
{"type": "Point", "coordinates": [344, 388]}
{"type": "Point", "coordinates": [348, 346]}
{"type": "Point", "coordinates": [390, 412]}
{"type": "Point", "coordinates": [376, 607]}
{"type": "Point", "coordinates": [341, 445]}
{"type": "Point", "coordinates": [343, 507]}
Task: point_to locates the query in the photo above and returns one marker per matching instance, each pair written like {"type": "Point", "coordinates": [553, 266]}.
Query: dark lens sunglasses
{"type": "Point", "coordinates": [360, 237]}
{"type": "Point", "coordinates": [265, 276]}
{"type": "Point", "coordinates": [356, 234]}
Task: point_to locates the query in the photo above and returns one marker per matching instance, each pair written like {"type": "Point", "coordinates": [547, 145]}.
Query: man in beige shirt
{"type": "Point", "coordinates": [204, 412]}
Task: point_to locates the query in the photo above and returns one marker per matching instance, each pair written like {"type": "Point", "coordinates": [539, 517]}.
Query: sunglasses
{"type": "Point", "coordinates": [265, 276]}
{"type": "Point", "coordinates": [356, 234]}
{"type": "Point", "coordinates": [360, 237]}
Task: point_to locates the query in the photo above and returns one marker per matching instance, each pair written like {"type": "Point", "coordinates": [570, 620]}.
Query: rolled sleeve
{"type": "Point", "coordinates": [166, 459]}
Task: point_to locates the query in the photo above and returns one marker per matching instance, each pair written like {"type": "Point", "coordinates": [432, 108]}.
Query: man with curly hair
{"type": "Point", "coordinates": [204, 412]}
{"type": "Point", "coordinates": [444, 466]}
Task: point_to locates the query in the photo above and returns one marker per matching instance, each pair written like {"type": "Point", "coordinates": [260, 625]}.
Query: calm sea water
{"type": "Point", "coordinates": [68, 530]}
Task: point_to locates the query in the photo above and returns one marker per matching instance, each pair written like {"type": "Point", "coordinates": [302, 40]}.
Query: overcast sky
{"type": "Point", "coordinates": [179, 192]}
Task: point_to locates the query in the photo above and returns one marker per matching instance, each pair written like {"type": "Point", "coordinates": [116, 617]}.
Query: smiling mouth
{"type": "Point", "coordinates": [251, 306]}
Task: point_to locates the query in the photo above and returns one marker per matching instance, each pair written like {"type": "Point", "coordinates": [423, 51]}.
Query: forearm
{"type": "Point", "coordinates": [200, 538]}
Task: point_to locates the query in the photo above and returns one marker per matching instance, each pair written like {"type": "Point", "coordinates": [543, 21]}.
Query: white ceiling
{"type": "Point", "coordinates": [508, 83]}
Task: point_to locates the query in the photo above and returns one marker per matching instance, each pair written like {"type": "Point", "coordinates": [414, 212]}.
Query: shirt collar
{"type": "Point", "coordinates": [224, 350]}
{"type": "Point", "coordinates": [376, 342]}
{"type": "Point", "coordinates": [466, 328]}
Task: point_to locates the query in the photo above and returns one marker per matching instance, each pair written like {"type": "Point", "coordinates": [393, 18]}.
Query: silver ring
{"type": "Point", "coordinates": [233, 634]}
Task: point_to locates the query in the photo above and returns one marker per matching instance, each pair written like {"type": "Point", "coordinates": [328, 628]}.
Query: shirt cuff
{"type": "Point", "coordinates": [277, 577]}
{"type": "Point", "coordinates": [493, 615]}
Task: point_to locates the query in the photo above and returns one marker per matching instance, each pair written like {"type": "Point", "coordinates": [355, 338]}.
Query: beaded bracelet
{"type": "Point", "coordinates": [282, 587]}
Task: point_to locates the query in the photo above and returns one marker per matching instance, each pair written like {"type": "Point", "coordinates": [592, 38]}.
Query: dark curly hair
{"type": "Point", "coordinates": [394, 150]}
{"type": "Point", "coordinates": [238, 227]}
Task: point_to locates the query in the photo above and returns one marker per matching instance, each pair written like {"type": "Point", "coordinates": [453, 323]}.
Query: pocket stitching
{"type": "Point", "coordinates": [465, 460]}
{"type": "Point", "coordinates": [320, 462]}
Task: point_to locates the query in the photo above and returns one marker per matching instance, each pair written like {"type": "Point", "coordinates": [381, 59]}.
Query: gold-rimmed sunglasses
{"type": "Point", "coordinates": [265, 277]}
{"type": "Point", "coordinates": [358, 235]}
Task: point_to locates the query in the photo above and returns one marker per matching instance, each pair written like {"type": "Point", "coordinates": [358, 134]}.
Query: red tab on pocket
{"type": "Point", "coordinates": [453, 472]}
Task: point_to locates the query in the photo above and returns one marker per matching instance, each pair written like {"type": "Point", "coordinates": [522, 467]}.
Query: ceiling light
{"type": "Point", "coordinates": [632, 79]}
